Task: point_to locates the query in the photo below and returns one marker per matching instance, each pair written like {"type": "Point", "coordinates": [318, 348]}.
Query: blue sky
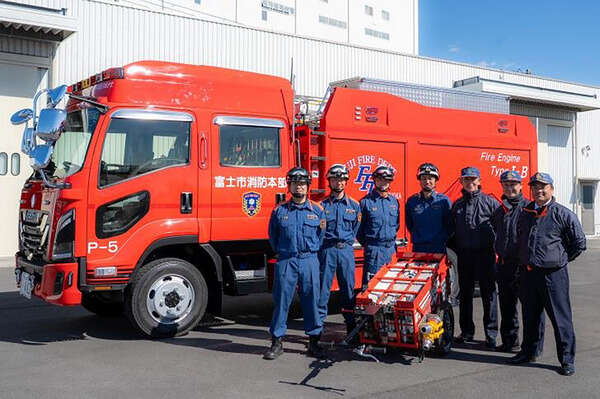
{"type": "Point", "coordinates": [552, 38]}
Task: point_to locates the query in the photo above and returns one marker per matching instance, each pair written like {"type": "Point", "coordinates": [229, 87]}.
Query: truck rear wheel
{"type": "Point", "coordinates": [167, 298]}
{"type": "Point", "coordinates": [101, 304]}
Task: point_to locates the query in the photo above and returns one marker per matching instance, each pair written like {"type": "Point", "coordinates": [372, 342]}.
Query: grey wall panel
{"type": "Point", "coordinates": [541, 111]}
{"type": "Point", "coordinates": [21, 46]}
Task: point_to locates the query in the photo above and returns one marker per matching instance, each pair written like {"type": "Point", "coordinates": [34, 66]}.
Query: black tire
{"type": "Point", "coordinates": [101, 304]}
{"type": "Point", "coordinates": [444, 344]}
{"type": "Point", "coordinates": [153, 281]}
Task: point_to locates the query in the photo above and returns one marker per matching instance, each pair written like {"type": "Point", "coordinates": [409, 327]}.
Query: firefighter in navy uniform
{"type": "Point", "coordinates": [505, 220]}
{"type": "Point", "coordinates": [474, 240]}
{"type": "Point", "coordinates": [550, 236]}
{"type": "Point", "coordinates": [380, 222]}
{"type": "Point", "coordinates": [296, 231]}
{"type": "Point", "coordinates": [428, 213]}
{"type": "Point", "coordinates": [337, 254]}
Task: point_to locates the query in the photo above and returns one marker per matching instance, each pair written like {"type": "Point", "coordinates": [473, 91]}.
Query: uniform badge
{"type": "Point", "coordinates": [359, 217]}
{"type": "Point", "coordinates": [251, 203]}
{"type": "Point", "coordinates": [323, 224]}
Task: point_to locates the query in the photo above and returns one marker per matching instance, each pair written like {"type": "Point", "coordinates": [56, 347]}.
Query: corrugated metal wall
{"type": "Point", "coordinates": [112, 35]}
{"type": "Point", "coordinates": [560, 167]}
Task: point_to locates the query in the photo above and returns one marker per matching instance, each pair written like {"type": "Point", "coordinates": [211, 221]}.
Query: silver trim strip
{"type": "Point", "coordinates": [150, 114]}
{"type": "Point", "coordinates": [246, 121]}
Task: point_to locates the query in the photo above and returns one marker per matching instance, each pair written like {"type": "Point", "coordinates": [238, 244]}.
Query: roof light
{"type": "Point", "coordinates": [109, 74]}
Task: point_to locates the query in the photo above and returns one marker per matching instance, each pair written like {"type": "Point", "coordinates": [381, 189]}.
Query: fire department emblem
{"type": "Point", "coordinates": [251, 203]}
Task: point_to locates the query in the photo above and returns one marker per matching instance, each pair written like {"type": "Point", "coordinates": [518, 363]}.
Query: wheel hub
{"type": "Point", "coordinates": [170, 299]}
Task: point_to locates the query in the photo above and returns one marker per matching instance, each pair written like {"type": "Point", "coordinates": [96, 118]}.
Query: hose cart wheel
{"type": "Point", "coordinates": [446, 313]}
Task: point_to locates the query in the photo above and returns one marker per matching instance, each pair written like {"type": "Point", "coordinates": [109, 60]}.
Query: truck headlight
{"type": "Point", "coordinates": [65, 236]}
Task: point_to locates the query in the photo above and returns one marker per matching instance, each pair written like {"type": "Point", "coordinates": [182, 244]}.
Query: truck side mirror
{"type": "Point", "coordinates": [40, 156]}
{"type": "Point", "coordinates": [21, 116]}
{"type": "Point", "coordinates": [51, 124]}
{"type": "Point", "coordinates": [55, 95]}
{"type": "Point", "coordinates": [28, 142]}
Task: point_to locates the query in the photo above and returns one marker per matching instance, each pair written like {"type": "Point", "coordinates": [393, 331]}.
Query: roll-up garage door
{"type": "Point", "coordinates": [18, 85]}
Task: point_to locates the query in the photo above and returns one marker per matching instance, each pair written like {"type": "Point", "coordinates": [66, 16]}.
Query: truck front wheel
{"type": "Point", "coordinates": [167, 298]}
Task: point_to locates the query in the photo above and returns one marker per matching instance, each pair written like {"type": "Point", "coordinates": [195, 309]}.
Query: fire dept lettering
{"type": "Point", "coordinates": [250, 182]}
{"type": "Point", "coordinates": [502, 162]}
{"type": "Point", "coordinates": [366, 164]}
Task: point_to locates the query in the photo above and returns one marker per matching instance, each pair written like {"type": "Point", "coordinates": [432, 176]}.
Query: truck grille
{"type": "Point", "coordinates": [33, 233]}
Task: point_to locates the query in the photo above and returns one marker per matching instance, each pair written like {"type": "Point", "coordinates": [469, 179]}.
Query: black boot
{"type": "Point", "coordinates": [275, 350]}
{"type": "Point", "coordinates": [521, 358]}
{"type": "Point", "coordinates": [314, 349]}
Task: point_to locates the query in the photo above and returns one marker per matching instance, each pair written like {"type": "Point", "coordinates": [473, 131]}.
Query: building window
{"type": "Point", "coordinates": [333, 22]}
{"type": "Point", "coordinates": [264, 15]}
{"type": "Point", "coordinates": [325, 1]}
{"type": "Point", "coordinates": [15, 164]}
{"type": "Point", "coordinates": [3, 163]}
{"type": "Point", "coordinates": [377, 34]}
{"type": "Point", "coordinates": [369, 10]}
{"type": "Point", "coordinates": [197, 1]}
{"type": "Point", "coordinates": [274, 6]}
{"type": "Point", "coordinates": [385, 15]}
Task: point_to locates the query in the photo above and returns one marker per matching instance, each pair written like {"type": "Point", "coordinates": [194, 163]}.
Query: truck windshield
{"type": "Point", "coordinates": [70, 149]}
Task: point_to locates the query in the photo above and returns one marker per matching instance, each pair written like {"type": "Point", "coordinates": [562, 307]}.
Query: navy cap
{"type": "Point", "coordinates": [470, 171]}
{"type": "Point", "coordinates": [541, 177]}
{"type": "Point", "coordinates": [510, 175]}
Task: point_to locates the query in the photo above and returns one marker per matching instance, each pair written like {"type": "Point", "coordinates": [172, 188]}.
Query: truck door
{"type": "Point", "coordinates": [141, 186]}
{"type": "Point", "coordinates": [249, 167]}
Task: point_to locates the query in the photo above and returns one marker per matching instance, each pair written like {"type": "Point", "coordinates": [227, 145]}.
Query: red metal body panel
{"type": "Point", "coordinates": [70, 294]}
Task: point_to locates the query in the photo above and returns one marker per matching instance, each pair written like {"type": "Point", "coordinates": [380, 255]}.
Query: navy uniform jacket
{"type": "Point", "coordinates": [343, 219]}
{"type": "Point", "coordinates": [505, 221]}
{"type": "Point", "coordinates": [471, 215]}
{"type": "Point", "coordinates": [296, 229]}
{"type": "Point", "coordinates": [380, 220]}
{"type": "Point", "coordinates": [428, 219]}
{"type": "Point", "coordinates": [549, 237]}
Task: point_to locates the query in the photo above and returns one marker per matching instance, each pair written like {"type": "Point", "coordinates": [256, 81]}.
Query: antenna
{"type": "Point", "coordinates": [294, 139]}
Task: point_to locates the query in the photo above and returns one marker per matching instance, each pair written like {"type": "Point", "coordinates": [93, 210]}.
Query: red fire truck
{"type": "Point", "coordinates": [152, 190]}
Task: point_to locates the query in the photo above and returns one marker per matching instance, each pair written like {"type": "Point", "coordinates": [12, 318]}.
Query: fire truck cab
{"type": "Point", "coordinates": [152, 189]}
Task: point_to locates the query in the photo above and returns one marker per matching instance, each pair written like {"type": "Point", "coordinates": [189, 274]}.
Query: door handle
{"type": "Point", "coordinates": [203, 151]}
{"type": "Point", "coordinates": [185, 202]}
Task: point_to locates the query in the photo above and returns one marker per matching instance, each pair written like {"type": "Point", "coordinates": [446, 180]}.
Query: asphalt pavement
{"type": "Point", "coordinates": [57, 352]}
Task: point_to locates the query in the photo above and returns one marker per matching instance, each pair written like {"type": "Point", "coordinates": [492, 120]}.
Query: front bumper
{"type": "Point", "coordinates": [55, 282]}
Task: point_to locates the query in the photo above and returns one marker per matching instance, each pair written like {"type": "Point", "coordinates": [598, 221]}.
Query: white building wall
{"type": "Point", "coordinates": [588, 153]}
{"type": "Point", "coordinates": [368, 27]}
{"type": "Point", "coordinates": [324, 19]}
